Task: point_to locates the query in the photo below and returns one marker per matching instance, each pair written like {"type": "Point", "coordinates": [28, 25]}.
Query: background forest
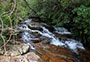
{"type": "Point", "coordinates": [72, 14]}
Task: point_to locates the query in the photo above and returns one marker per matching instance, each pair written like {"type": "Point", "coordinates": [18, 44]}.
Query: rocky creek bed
{"type": "Point", "coordinates": [39, 42]}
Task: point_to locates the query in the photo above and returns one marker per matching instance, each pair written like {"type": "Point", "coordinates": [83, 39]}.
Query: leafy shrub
{"type": "Point", "coordinates": [11, 12]}
{"type": "Point", "coordinates": [82, 23]}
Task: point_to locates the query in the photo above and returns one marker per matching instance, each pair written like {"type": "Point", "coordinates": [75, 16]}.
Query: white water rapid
{"type": "Point", "coordinates": [68, 43]}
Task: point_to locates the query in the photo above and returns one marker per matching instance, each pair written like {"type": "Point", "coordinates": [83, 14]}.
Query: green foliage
{"type": "Point", "coordinates": [82, 22]}
{"type": "Point", "coordinates": [11, 12]}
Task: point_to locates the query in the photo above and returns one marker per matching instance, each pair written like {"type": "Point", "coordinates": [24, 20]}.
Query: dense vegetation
{"type": "Point", "coordinates": [72, 14]}
{"type": "Point", "coordinates": [11, 12]}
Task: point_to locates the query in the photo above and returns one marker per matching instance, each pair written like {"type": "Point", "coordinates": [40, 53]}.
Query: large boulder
{"type": "Point", "coordinates": [15, 49]}
{"type": "Point", "coordinates": [29, 57]}
{"type": "Point", "coordinates": [18, 52]}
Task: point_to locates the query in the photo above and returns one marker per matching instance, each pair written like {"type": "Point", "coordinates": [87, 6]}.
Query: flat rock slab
{"type": "Point", "coordinates": [51, 53]}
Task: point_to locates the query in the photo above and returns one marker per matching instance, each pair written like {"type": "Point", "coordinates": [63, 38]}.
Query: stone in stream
{"type": "Point", "coordinates": [35, 26]}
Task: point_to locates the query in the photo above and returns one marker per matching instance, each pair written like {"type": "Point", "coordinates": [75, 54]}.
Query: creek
{"type": "Point", "coordinates": [34, 30]}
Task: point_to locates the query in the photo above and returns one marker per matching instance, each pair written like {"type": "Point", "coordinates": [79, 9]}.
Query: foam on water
{"type": "Point", "coordinates": [27, 37]}
{"type": "Point", "coordinates": [73, 45]}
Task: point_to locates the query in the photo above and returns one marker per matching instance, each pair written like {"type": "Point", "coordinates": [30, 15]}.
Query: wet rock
{"type": "Point", "coordinates": [29, 57]}
{"type": "Point", "coordinates": [35, 26]}
{"type": "Point", "coordinates": [85, 55]}
{"type": "Point", "coordinates": [45, 40]}
{"type": "Point", "coordinates": [50, 28]}
{"type": "Point", "coordinates": [35, 34]}
{"type": "Point", "coordinates": [62, 35]}
{"type": "Point", "coordinates": [51, 53]}
{"type": "Point", "coordinates": [41, 39]}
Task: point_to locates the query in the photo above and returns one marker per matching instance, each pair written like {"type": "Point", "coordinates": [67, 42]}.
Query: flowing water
{"type": "Point", "coordinates": [27, 36]}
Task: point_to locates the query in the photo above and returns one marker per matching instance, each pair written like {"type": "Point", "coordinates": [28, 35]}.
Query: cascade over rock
{"type": "Point", "coordinates": [34, 27]}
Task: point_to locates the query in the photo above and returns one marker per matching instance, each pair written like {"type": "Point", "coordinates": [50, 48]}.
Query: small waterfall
{"type": "Point", "coordinates": [68, 43]}
{"type": "Point", "coordinates": [27, 37]}
{"type": "Point", "coordinates": [72, 44]}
